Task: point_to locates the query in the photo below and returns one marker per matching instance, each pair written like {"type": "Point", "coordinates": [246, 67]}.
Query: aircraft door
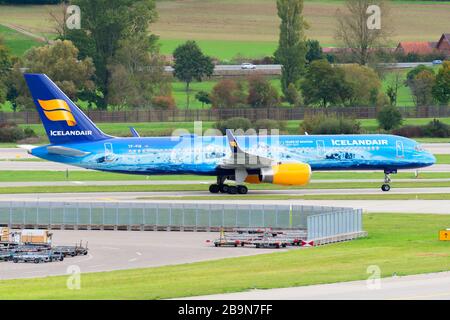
{"type": "Point", "coordinates": [400, 150]}
{"type": "Point", "coordinates": [109, 152]}
{"type": "Point", "coordinates": [320, 146]}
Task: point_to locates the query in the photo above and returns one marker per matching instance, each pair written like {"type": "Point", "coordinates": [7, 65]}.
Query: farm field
{"type": "Point", "coordinates": [402, 254]}
{"type": "Point", "coordinates": [249, 27]}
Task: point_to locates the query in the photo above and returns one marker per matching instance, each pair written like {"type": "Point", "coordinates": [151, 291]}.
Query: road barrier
{"type": "Point", "coordinates": [319, 222]}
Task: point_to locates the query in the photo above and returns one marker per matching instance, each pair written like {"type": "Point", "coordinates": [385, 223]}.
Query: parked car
{"type": "Point", "coordinates": [437, 61]}
{"type": "Point", "coordinates": [247, 65]}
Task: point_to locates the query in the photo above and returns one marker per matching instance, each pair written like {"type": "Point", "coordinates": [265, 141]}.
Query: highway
{"type": "Point", "coordinates": [434, 286]}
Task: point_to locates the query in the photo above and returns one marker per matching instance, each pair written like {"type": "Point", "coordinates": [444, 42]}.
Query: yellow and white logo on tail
{"type": "Point", "coordinates": [57, 110]}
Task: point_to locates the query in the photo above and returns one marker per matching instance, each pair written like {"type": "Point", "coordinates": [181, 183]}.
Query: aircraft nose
{"type": "Point", "coordinates": [430, 159]}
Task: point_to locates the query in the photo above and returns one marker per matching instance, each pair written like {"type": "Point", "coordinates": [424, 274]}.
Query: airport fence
{"type": "Point", "coordinates": [183, 115]}
{"type": "Point", "coordinates": [318, 221]}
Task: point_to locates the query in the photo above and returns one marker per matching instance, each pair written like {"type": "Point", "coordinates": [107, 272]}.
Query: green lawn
{"type": "Point", "coordinates": [166, 128]}
{"type": "Point", "coordinates": [401, 244]}
{"type": "Point", "coordinates": [30, 176]}
{"type": "Point", "coordinates": [443, 158]}
{"type": "Point", "coordinates": [381, 197]}
{"type": "Point", "coordinates": [204, 187]}
{"type": "Point", "coordinates": [226, 50]}
{"type": "Point", "coordinates": [17, 42]}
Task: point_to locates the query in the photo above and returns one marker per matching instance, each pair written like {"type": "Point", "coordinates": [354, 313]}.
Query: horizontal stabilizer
{"type": "Point", "coordinates": [64, 151]}
{"type": "Point", "coordinates": [27, 147]}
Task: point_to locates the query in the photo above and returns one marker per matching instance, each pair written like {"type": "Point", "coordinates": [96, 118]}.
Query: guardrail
{"type": "Point", "coordinates": [319, 221]}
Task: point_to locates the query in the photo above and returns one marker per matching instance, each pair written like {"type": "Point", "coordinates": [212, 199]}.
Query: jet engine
{"type": "Point", "coordinates": [287, 174]}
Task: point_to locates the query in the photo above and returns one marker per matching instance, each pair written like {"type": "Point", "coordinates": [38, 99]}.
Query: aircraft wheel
{"type": "Point", "coordinates": [242, 189]}
{"type": "Point", "coordinates": [224, 188]}
{"type": "Point", "coordinates": [232, 190]}
{"type": "Point", "coordinates": [214, 188]}
{"type": "Point", "coordinates": [385, 187]}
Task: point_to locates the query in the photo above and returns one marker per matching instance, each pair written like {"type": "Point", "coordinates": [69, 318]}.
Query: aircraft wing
{"type": "Point", "coordinates": [64, 151]}
{"type": "Point", "coordinates": [241, 159]}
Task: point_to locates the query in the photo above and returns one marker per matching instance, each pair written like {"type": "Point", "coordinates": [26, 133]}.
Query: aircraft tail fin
{"type": "Point", "coordinates": [64, 122]}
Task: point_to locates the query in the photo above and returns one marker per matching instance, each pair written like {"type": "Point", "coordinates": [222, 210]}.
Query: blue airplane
{"type": "Point", "coordinates": [278, 159]}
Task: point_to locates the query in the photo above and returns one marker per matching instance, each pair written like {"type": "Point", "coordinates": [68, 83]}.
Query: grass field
{"type": "Point", "coordinates": [166, 128]}
{"type": "Point", "coordinates": [204, 187]}
{"type": "Point", "coordinates": [400, 244]}
{"type": "Point", "coordinates": [15, 41]}
{"type": "Point", "coordinates": [36, 176]}
{"type": "Point", "coordinates": [250, 27]}
{"type": "Point", "coordinates": [381, 197]}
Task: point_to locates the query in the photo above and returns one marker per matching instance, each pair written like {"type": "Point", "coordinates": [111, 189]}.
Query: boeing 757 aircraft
{"type": "Point", "coordinates": [282, 160]}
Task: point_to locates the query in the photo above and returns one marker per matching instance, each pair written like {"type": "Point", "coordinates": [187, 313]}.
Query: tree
{"type": "Point", "coordinates": [392, 88]}
{"type": "Point", "coordinates": [203, 97]}
{"type": "Point", "coordinates": [261, 93]}
{"type": "Point", "coordinates": [364, 82]}
{"type": "Point", "coordinates": [389, 118]}
{"type": "Point", "coordinates": [136, 75]}
{"type": "Point", "coordinates": [291, 44]}
{"type": "Point", "coordinates": [313, 50]}
{"type": "Point", "coordinates": [60, 62]}
{"type": "Point", "coordinates": [5, 66]}
{"type": "Point", "coordinates": [324, 84]}
{"type": "Point", "coordinates": [104, 25]}
{"type": "Point", "coordinates": [292, 95]}
{"type": "Point", "coordinates": [191, 64]}
{"type": "Point", "coordinates": [227, 94]}
{"type": "Point", "coordinates": [422, 86]}
{"type": "Point", "coordinates": [353, 31]}
{"type": "Point", "coordinates": [441, 88]}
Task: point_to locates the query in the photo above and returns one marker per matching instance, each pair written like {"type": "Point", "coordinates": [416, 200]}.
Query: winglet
{"type": "Point", "coordinates": [134, 132]}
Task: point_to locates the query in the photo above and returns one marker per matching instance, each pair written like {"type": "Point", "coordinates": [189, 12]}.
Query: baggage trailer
{"type": "Point", "coordinates": [36, 257]}
{"type": "Point", "coordinates": [5, 256]}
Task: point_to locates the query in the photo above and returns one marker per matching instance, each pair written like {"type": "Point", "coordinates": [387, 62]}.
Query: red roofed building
{"type": "Point", "coordinates": [443, 45]}
{"type": "Point", "coordinates": [406, 47]}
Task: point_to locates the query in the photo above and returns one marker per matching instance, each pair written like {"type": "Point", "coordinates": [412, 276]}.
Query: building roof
{"type": "Point", "coordinates": [419, 47]}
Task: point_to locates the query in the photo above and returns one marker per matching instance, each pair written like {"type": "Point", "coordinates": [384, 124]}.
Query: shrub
{"type": "Point", "coordinates": [409, 131]}
{"type": "Point", "coordinates": [10, 132]}
{"type": "Point", "coordinates": [261, 93]}
{"type": "Point", "coordinates": [164, 102]}
{"type": "Point", "coordinates": [436, 128]}
{"type": "Point", "coordinates": [269, 124]}
{"type": "Point", "coordinates": [389, 118]}
{"type": "Point", "coordinates": [227, 94]}
{"type": "Point", "coordinates": [233, 123]}
{"type": "Point", "coordinates": [330, 124]}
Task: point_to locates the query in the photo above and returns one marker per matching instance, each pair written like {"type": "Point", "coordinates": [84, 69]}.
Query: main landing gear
{"type": "Point", "coordinates": [387, 179]}
{"type": "Point", "coordinates": [221, 187]}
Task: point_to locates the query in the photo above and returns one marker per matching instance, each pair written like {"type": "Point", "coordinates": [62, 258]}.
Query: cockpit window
{"type": "Point", "coordinates": [419, 148]}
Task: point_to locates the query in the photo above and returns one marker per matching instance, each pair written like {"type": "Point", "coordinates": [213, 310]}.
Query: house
{"type": "Point", "coordinates": [443, 45]}
{"type": "Point", "coordinates": [426, 47]}
{"type": "Point", "coordinates": [418, 47]}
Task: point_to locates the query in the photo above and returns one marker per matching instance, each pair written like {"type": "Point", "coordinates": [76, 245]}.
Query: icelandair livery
{"type": "Point", "coordinates": [278, 159]}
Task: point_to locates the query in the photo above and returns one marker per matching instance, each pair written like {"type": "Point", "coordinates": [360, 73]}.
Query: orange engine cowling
{"type": "Point", "coordinates": [286, 174]}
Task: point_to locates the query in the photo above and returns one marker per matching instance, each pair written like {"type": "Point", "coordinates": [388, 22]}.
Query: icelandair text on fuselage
{"type": "Point", "coordinates": [364, 142]}
{"type": "Point", "coordinates": [70, 133]}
